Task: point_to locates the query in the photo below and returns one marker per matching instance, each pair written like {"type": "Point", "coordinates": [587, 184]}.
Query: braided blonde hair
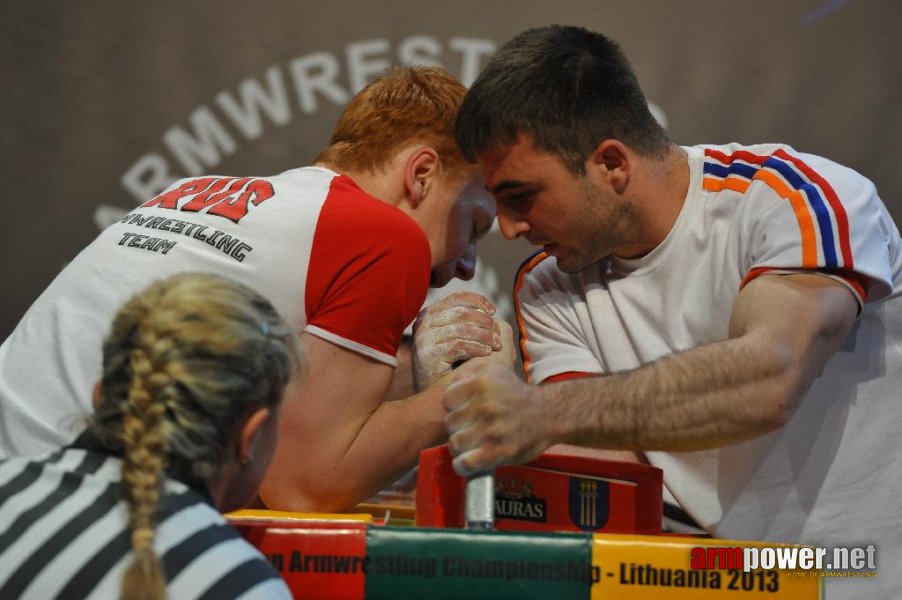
{"type": "Point", "coordinates": [186, 361]}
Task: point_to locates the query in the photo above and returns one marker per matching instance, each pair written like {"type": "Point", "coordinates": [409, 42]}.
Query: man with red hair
{"type": "Point", "coordinates": [344, 249]}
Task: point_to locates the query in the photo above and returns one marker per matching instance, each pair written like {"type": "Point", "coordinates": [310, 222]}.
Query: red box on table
{"type": "Point", "coordinates": [552, 493]}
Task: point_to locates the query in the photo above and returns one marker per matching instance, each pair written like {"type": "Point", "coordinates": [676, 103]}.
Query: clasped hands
{"type": "Point", "coordinates": [493, 417]}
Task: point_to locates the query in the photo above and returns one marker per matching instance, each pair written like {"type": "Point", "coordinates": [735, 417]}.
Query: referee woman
{"type": "Point", "coordinates": [187, 407]}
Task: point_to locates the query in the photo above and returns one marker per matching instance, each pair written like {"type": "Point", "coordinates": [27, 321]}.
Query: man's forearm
{"type": "Point", "coordinates": [389, 443]}
{"type": "Point", "coordinates": [707, 397]}
{"type": "Point", "coordinates": [380, 449]}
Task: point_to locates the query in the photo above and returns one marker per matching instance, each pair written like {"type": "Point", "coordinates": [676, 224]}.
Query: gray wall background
{"type": "Point", "coordinates": [103, 101]}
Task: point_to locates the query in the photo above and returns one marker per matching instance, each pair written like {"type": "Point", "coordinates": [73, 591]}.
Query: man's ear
{"type": "Point", "coordinates": [252, 428]}
{"type": "Point", "coordinates": [612, 160]}
{"type": "Point", "coordinates": [421, 168]}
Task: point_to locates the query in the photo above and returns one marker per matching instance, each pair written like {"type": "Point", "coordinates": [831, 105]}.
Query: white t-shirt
{"type": "Point", "coordinates": [832, 476]}
{"type": "Point", "coordinates": [310, 240]}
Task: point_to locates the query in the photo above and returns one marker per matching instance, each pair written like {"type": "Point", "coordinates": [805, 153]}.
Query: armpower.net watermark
{"type": "Point", "coordinates": [801, 561]}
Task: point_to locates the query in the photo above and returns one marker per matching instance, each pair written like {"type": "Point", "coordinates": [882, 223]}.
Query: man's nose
{"type": "Point", "coordinates": [511, 227]}
{"type": "Point", "coordinates": [466, 265]}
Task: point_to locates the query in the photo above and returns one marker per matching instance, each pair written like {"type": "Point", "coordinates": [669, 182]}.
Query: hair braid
{"type": "Point", "coordinates": [142, 473]}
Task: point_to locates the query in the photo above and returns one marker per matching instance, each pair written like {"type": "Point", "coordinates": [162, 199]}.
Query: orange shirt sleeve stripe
{"type": "Point", "coordinates": [528, 266]}
{"type": "Point", "coordinates": [803, 216]}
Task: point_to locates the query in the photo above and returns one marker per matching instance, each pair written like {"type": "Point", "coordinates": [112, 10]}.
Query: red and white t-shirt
{"type": "Point", "coordinates": [340, 264]}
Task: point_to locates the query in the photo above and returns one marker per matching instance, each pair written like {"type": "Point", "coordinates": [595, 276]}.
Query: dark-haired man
{"type": "Point", "coordinates": [733, 312]}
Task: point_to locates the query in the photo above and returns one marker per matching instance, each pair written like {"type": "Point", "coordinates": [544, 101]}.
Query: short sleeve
{"type": "Point", "coordinates": [551, 340]}
{"type": "Point", "coordinates": [368, 274]}
{"type": "Point", "coordinates": [806, 213]}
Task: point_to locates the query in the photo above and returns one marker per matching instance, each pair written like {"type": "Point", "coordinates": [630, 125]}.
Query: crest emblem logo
{"type": "Point", "coordinates": [589, 503]}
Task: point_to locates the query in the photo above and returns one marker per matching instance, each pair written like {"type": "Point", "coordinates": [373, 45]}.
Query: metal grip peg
{"type": "Point", "coordinates": [479, 507]}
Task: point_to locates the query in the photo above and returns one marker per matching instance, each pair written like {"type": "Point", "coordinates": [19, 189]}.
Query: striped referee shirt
{"type": "Point", "coordinates": [64, 534]}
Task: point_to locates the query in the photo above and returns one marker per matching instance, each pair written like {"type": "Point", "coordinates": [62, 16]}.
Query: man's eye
{"type": "Point", "coordinates": [517, 199]}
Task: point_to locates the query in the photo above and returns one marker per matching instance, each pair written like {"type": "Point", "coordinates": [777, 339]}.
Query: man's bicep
{"type": "Point", "coordinates": [341, 385]}
{"type": "Point", "coordinates": [321, 419]}
{"type": "Point", "coordinates": [805, 315]}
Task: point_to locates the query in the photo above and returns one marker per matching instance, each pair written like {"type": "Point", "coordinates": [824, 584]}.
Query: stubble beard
{"type": "Point", "coordinates": [599, 228]}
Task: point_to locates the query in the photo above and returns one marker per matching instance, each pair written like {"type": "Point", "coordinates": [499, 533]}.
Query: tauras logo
{"type": "Point", "coordinates": [514, 499]}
